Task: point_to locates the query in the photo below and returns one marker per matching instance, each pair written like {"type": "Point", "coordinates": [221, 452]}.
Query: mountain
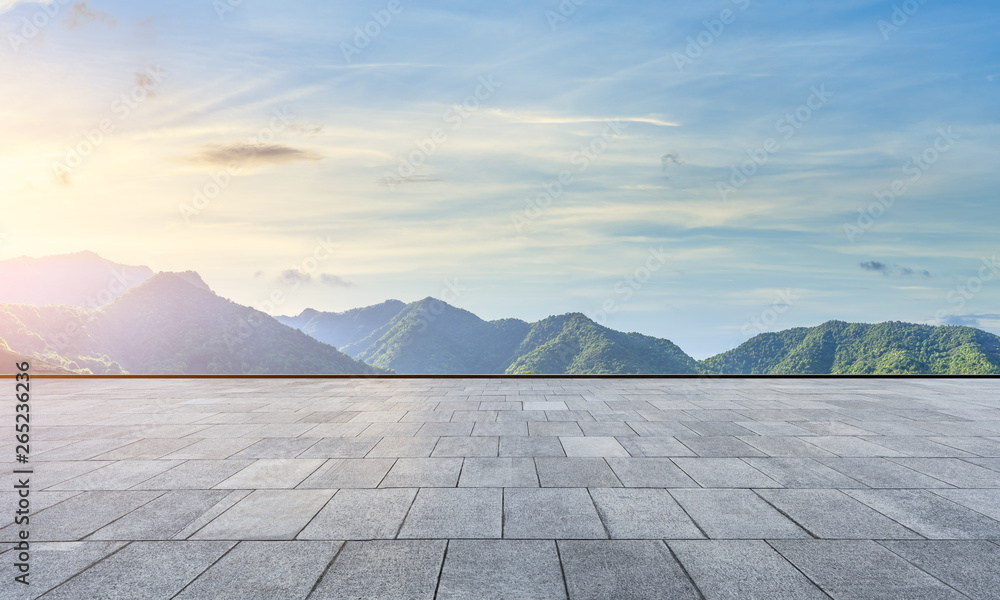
{"type": "Point", "coordinates": [170, 324]}
{"type": "Point", "coordinates": [575, 344]}
{"type": "Point", "coordinates": [433, 337]}
{"type": "Point", "coordinates": [10, 359]}
{"type": "Point", "coordinates": [344, 328]}
{"type": "Point", "coordinates": [81, 279]}
{"type": "Point", "coordinates": [836, 347]}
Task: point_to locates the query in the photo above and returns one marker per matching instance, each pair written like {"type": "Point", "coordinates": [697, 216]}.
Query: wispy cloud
{"type": "Point", "coordinates": [890, 269]}
{"type": "Point", "coordinates": [334, 280]}
{"type": "Point", "coordinates": [264, 154]}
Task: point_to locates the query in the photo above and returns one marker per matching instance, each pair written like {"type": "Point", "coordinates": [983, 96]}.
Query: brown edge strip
{"type": "Point", "coordinates": [501, 376]}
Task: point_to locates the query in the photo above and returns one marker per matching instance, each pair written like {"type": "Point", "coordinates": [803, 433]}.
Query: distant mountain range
{"type": "Point", "coordinates": [101, 317]}
{"type": "Point", "coordinates": [432, 337]}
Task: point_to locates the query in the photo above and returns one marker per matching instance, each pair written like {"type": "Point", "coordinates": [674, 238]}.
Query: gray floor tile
{"type": "Point", "coordinates": [736, 515]}
{"type": "Point", "coordinates": [862, 570]}
{"type": "Point", "coordinates": [743, 570]}
{"type": "Point", "coordinates": [383, 570]}
{"type": "Point", "coordinates": [337, 447]}
{"type": "Point", "coordinates": [591, 446]}
{"type": "Point", "coordinates": [831, 514]}
{"type": "Point", "coordinates": [520, 447]}
{"type": "Point", "coordinates": [143, 570]}
{"type": "Point", "coordinates": [120, 475]}
{"type": "Point", "coordinates": [575, 472]}
{"type": "Point", "coordinates": [784, 446]}
{"type": "Point", "coordinates": [270, 473]}
{"type": "Point", "coordinates": [162, 518]}
{"type": "Point", "coordinates": [502, 569]}
{"type": "Point", "coordinates": [52, 563]}
{"type": "Point", "coordinates": [361, 515]}
{"type": "Point", "coordinates": [455, 513]}
{"type": "Point", "coordinates": [194, 475]}
{"type": "Point", "coordinates": [643, 514]}
{"type": "Point", "coordinates": [802, 473]}
{"type": "Point", "coordinates": [349, 473]}
{"type": "Point", "coordinates": [971, 567]}
{"type": "Point", "coordinates": [79, 516]}
{"type": "Point", "coordinates": [985, 502]}
{"type": "Point", "coordinates": [848, 446]}
{"type": "Point", "coordinates": [882, 473]}
{"type": "Point", "coordinates": [403, 447]}
{"type": "Point", "coordinates": [550, 514]}
{"type": "Point", "coordinates": [263, 571]}
{"type": "Point", "coordinates": [654, 447]}
{"type": "Point", "coordinates": [929, 515]}
{"type": "Point", "coordinates": [601, 569]}
{"type": "Point", "coordinates": [499, 472]}
{"type": "Point", "coordinates": [266, 515]}
{"type": "Point", "coordinates": [650, 472]}
{"type": "Point", "coordinates": [466, 446]}
{"type": "Point", "coordinates": [724, 473]}
{"type": "Point", "coordinates": [954, 471]}
{"type": "Point", "coordinates": [423, 472]}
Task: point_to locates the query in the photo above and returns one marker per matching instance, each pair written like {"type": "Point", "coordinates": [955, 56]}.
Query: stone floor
{"type": "Point", "coordinates": [510, 488]}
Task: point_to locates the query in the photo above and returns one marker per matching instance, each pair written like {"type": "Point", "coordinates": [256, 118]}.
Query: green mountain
{"type": "Point", "coordinates": [862, 349]}
{"type": "Point", "coordinates": [171, 324]}
{"type": "Point", "coordinates": [344, 328]}
{"type": "Point", "coordinates": [575, 344]}
{"type": "Point", "coordinates": [433, 337]}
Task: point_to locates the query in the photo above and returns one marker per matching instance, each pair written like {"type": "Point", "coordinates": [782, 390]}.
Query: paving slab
{"type": "Point", "coordinates": [272, 473]}
{"type": "Point", "coordinates": [263, 571]}
{"type": "Point", "coordinates": [455, 513]}
{"type": "Point", "coordinates": [52, 564]}
{"type": "Point", "coordinates": [654, 447]}
{"type": "Point", "coordinates": [361, 514]}
{"type": "Point", "coordinates": [650, 472]}
{"type": "Point", "coordinates": [165, 568]}
{"type": "Point", "coordinates": [575, 472]}
{"type": "Point", "coordinates": [929, 515]}
{"type": "Point", "coordinates": [516, 446]}
{"type": "Point", "coordinates": [643, 514]}
{"type": "Point", "coordinates": [724, 473]}
{"type": "Point", "coordinates": [161, 519]}
{"type": "Point", "coordinates": [266, 515]}
{"type": "Point", "coordinates": [423, 472]}
{"type": "Point", "coordinates": [592, 446]}
{"type": "Point", "coordinates": [802, 473]}
{"type": "Point", "coordinates": [985, 502]}
{"type": "Point", "coordinates": [743, 570]}
{"type": "Point", "coordinates": [736, 515]}
{"type": "Point", "coordinates": [349, 473]}
{"type": "Point", "coordinates": [466, 446]}
{"type": "Point", "coordinates": [564, 513]}
{"type": "Point", "coordinates": [120, 475]}
{"type": "Point", "coordinates": [633, 569]}
{"type": "Point", "coordinates": [194, 475]}
{"type": "Point", "coordinates": [954, 471]}
{"type": "Point", "coordinates": [383, 570]}
{"type": "Point", "coordinates": [498, 473]}
{"type": "Point", "coordinates": [971, 567]}
{"type": "Point", "coordinates": [882, 473]}
{"type": "Point", "coordinates": [832, 514]}
{"type": "Point", "coordinates": [403, 447]}
{"type": "Point", "coordinates": [861, 569]}
{"type": "Point", "coordinates": [80, 515]}
{"type": "Point", "coordinates": [502, 570]}
{"type": "Point", "coordinates": [276, 447]}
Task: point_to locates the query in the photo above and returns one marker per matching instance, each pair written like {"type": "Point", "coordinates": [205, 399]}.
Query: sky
{"type": "Point", "coordinates": [698, 171]}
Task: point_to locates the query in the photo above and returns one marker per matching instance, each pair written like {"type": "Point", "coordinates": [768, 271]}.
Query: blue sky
{"type": "Point", "coordinates": [247, 138]}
